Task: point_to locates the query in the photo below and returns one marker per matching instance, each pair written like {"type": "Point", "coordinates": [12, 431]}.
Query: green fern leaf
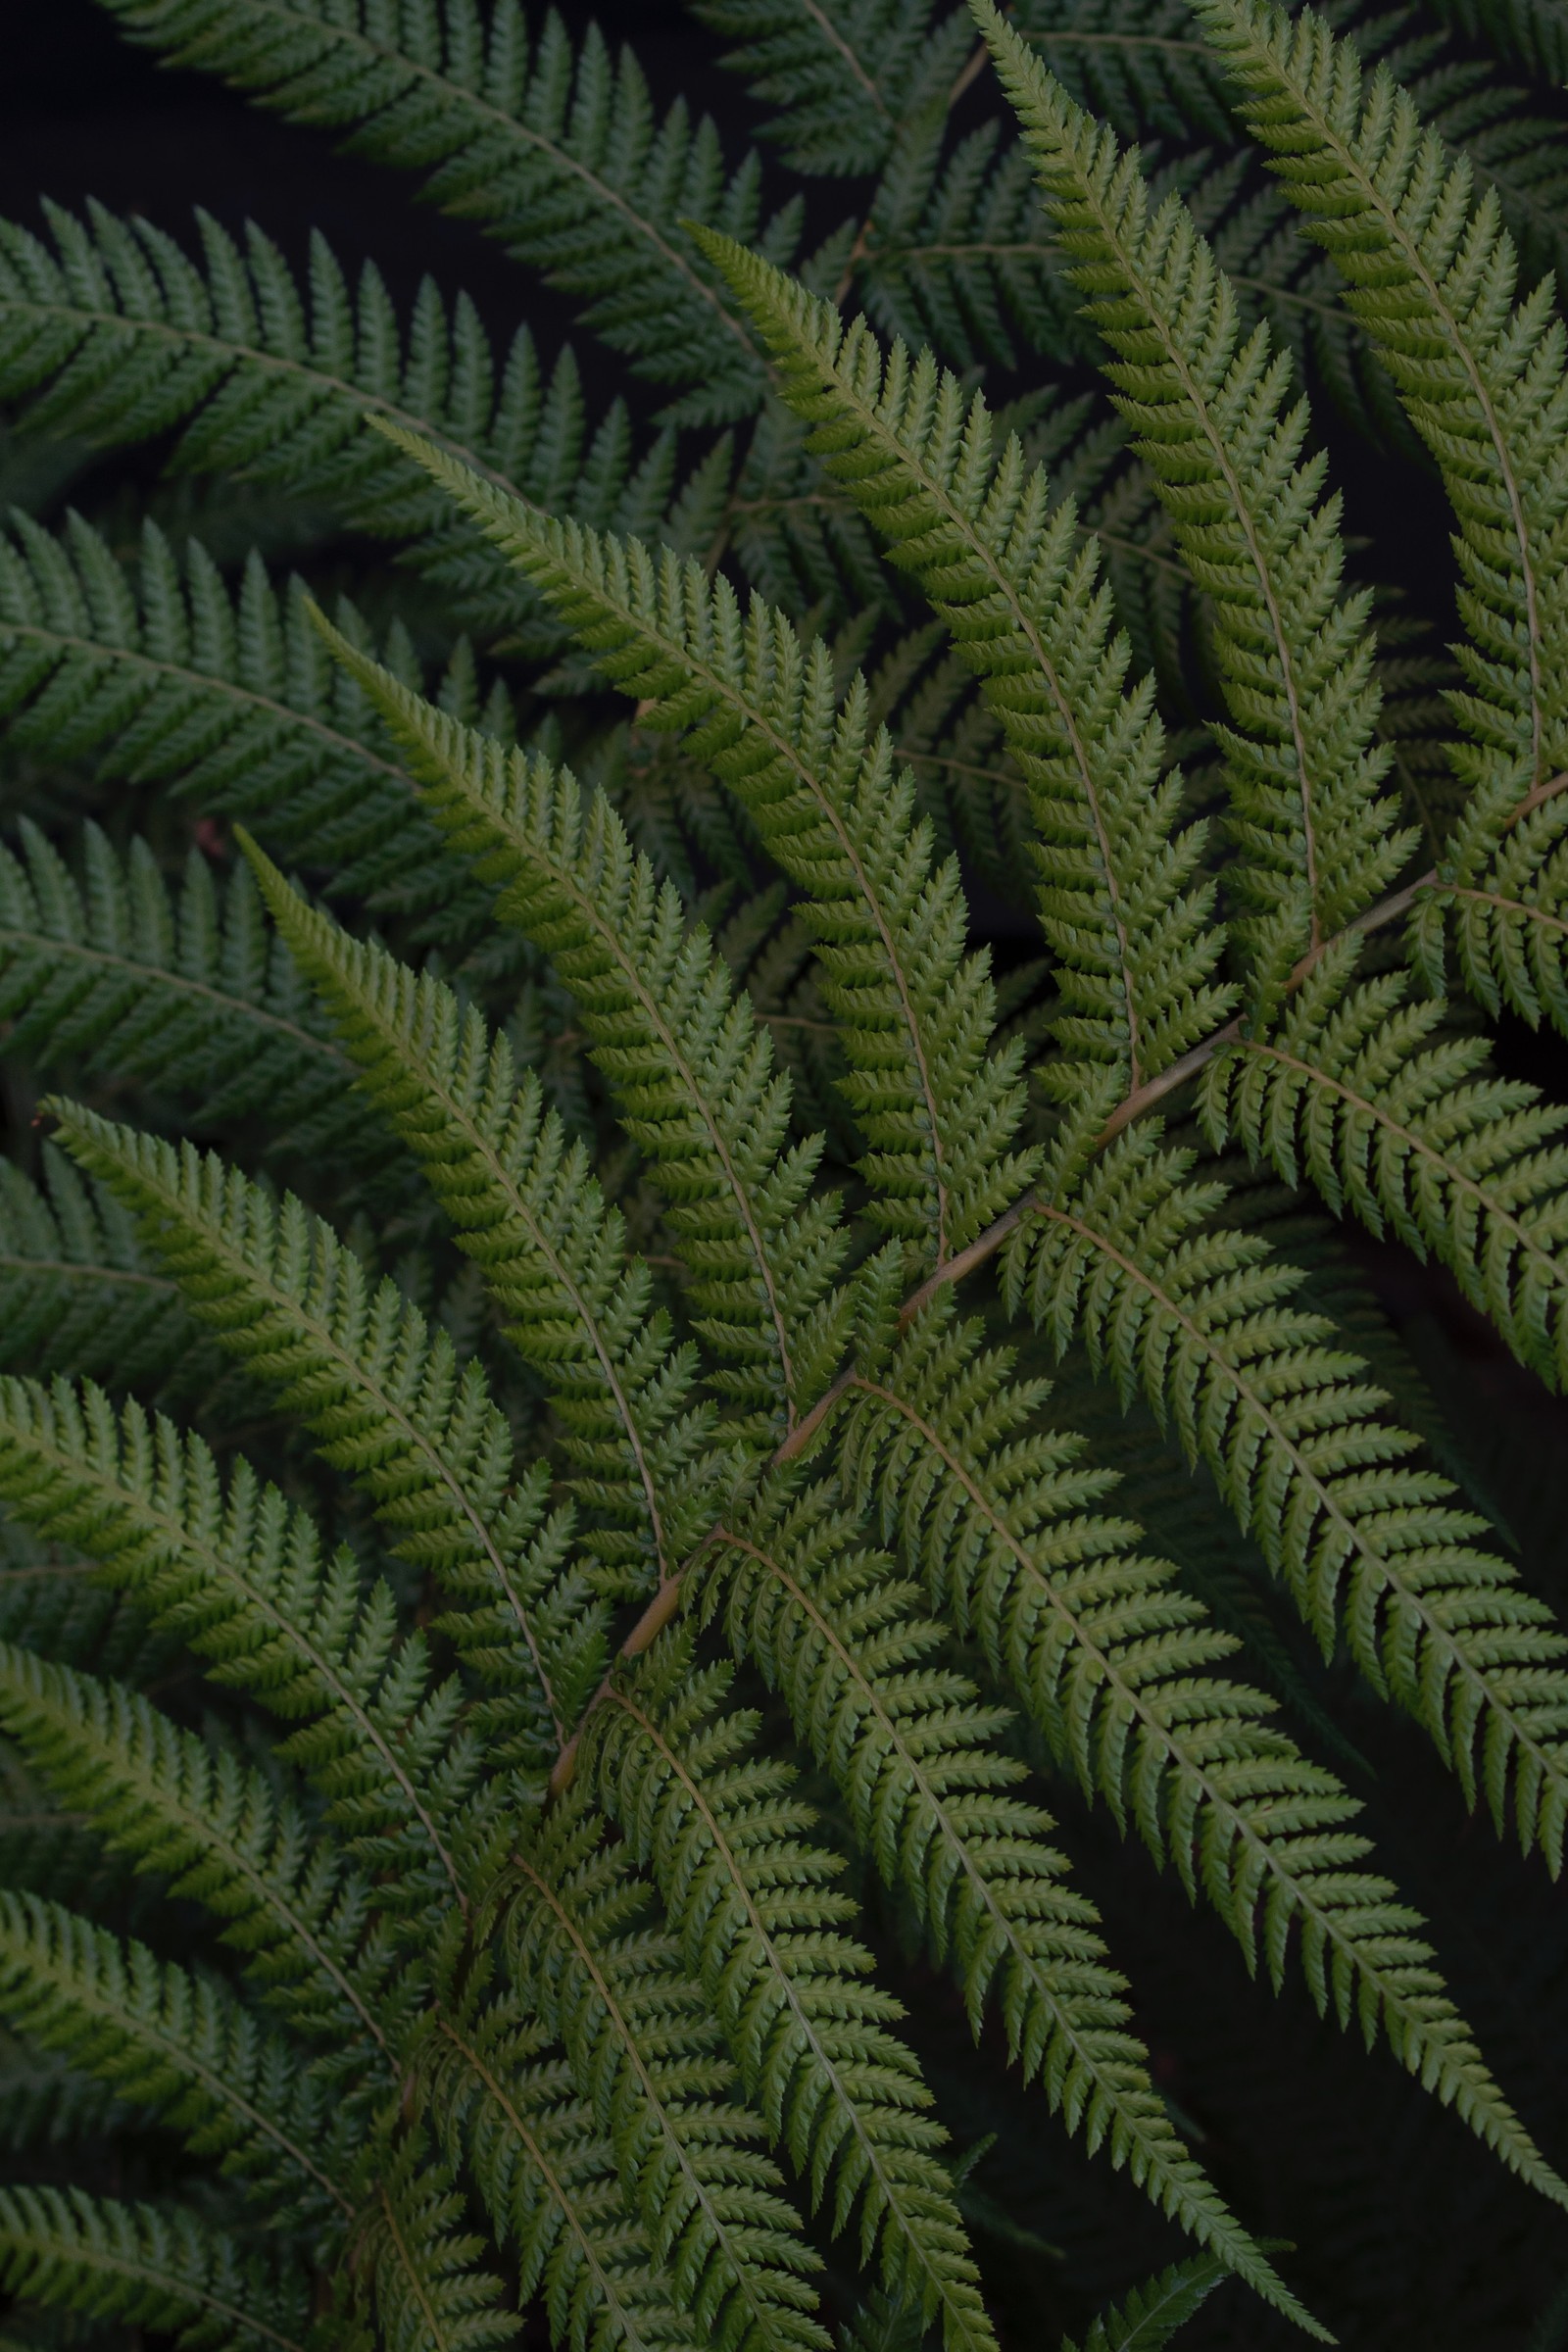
{"type": "Point", "coordinates": [414, 2264]}
{"type": "Point", "coordinates": [1151, 2314]}
{"type": "Point", "coordinates": [148, 2266]}
{"type": "Point", "coordinates": [728, 1845]}
{"type": "Point", "coordinates": [1123, 909]}
{"type": "Point", "coordinates": [915, 1010]}
{"type": "Point", "coordinates": [1118, 1666]}
{"type": "Point", "coordinates": [644, 2047]}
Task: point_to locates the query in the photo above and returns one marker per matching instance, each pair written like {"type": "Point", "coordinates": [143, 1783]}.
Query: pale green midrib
{"type": "Point", "coordinates": [85, 1270]}
{"type": "Point", "coordinates": [1136, 2125]}
{"type": "Point", "coordinates": [1132, 1699]}
{"type": "Point", "coordinates": [510, 127]}
{"type": "Point", "coordinates": [698, 2188]}
{"type": "Point", "coordinates": [874, 428]}
{"type": "Point", "coordinates": [1550, 1768]}
{"type": "Point", "coordinates": [179, 1539]}
{"type": "Point", "coordinates": [604, 2278]}
{"type": "Point", "coordinates": [910, 2227]}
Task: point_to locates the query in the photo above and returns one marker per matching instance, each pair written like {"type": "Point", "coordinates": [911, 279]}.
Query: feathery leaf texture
{"type": "Point", "coordinates": [915, 1010]}
{"type": "Point", "coordinates": [729, 1846]}
{"type": "Point", "coordinates": [386, 1397]}
{"type": "Point", "coordinates": [1118, 1667]}
{"type": "Point", "coordinates": [1199, 1314]}
{"type": "Point", "coordinates": [1151, 2314]}
{"type": "Point", "coordinates": [1128, 919]}
{"type": "Point", "coordinates": [1314, 836]}
{"type": "Point", "coordinates": [555, 149]}
{"type": "Point", "coordinates": [527, 1207]}
{"type": "Point", "coordinates": [148, 2266]}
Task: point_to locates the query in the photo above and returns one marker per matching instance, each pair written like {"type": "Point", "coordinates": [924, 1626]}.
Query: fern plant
{"type": "Point", "coordinates": [733, 1608]}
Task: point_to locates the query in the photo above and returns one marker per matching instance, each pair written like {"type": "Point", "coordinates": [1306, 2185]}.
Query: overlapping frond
{"type": "Point", "coordinates": [695, 1073]}
{"type": "Point", "coordinates": [644, 2045]}
{"type": "Point", "coordinates": [528, 1210]}
{"type": "Point", "coordinates": [933, 1796]}
{"type": "Point", "coordinates": [1151, 2314]}
{"type": "Point", "coordinates": [118, 335]}
{"type": "Point", "coordinates": [238, 1571]}
{"type": "Point", "coordinates": [1316, 837]}
{"type": "Point", "coordinates": [1125, 909]}
{"type": "Point", "coordinates": [150, 2265]}
{"type": "Point", "coordinates": [113, 974]}
{"type": "Point", "coordinates": [179, 2044]}
{"type": "Point", "coordinates": [414, 2267]}
{"type": "Point", "coordinates": [221, 1833]}
{"type": "Point", "coordinates": [1431, 273]}
{"type": "Point", "coordinates": [1199, 1314]}
{"type": "Point", "coordinates": [390, 1404]}
{"type": "Point", "coordinates": [1123, 1672]}
{"type": "Point", "coordinates": [1395, 1116]}
{"type": "Point", "coordinates": [553, 145]}
{"type": "Point", "coordinates": [843, 76]}
{"type": "Point", "coordinates": [760, 707]}
{"type": "Point", "coordinates": [763, 1930]}
{"type": "Point", "coordinates": [159, 674]}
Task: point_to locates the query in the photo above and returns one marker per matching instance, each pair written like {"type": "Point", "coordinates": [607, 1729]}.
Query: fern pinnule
{"type": "Point", "coordinates": [222, 1835]}
{"type": "Point", "coordinates": [555, 149]}
{"type": "Point", "coordinates": [1431, 274]}
{"type": "Point", "coordinates": [1199, 1314]}
{"type": "Point", "coordinates": [389, 1403]}
{"type": "Point", "coordinates": [158, 2267]}
{"type": "Point", "coordinates": [763, 1932]}
{"type": "Point", "coordinates": [1393, 1114]}
{"type": "Point", "coordinates": [1122, 1671]}
{"type": "Point", "coordinates": [527, 1207]}
{"type": "Point", "coordinates": [113, 974]}
{"type": "Point", "coordinates": [181, 2045]}
{"type": "Point", "coordinates": [1151, 2314]}
{"type": "Point", "coordinates": [1128, 916]}
{"type": "Point", "coordinates": [644, 2048]}
{"type": "Point", "coordinates": [933, 1799]}
{"type": "Point", "coordinates": [413, 2274]}
{"type": "Point", "coordinates": [239, 1572]}
{"type": "Point", "coordinates": [683, 1051]}
{"type": "Point", "coordinates": [760, 708]}
{"type": "Point", "coordinates": [1315, 835]}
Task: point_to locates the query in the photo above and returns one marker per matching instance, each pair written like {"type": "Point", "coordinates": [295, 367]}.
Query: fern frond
{"type": "Point", "coordinates": [915, 1010]}
{"type": "Point", "coordinates": [683, 1049]}
{"type": "Point", "coordinates": [1315, 835]}
{"type": "Point", "coordinates": [148, 2266]}
{"type": "Point", "coordinates": [1124, 908]}
{"type": "Point", "coordinates": [555, 149]}
{"type": "Point", "coordinates": [77, 1292]}
{"type": "Point", "coordinates": [218, 1831]}
{"type": "Point", "coordinates": [1361, 1089]}
{"type": "Point", "coordinates": [843, 77]}
{"type": "Point", "coordinates": [1430, 275]}
{"type": "Point", "coordinates": [239, 1574]}
{"type": "Point", "coordinates": [189, 997]}
{"type": "Point", "coordinates": [1199, 1314]}
{"type": "Point", "coordinates": [643, 2047]}
{"type": "Point", "coordinates": [528, 1210]}
{"type": "Point", "coordinates": [762, 1930]}
{"type": "Point", "coordinates": [357, 1363]}
{"type": "Point", "coordinates": [1150, 2315]}
{"type": "Point", "coordinates": [159, 673]}
{"type": "Point", "coordinates": [177, 2043]}
{"type": "Point", "coordinates": [546, 2172]}
{"type": "Point", "coordinates": [415, 2266]}
{"type": "Point", "coordinates": [933, 1797]}
{"type": "Point", "coordinates": [118, 336]}
{"type": "Point", "coordinates": [1120, 1666]}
